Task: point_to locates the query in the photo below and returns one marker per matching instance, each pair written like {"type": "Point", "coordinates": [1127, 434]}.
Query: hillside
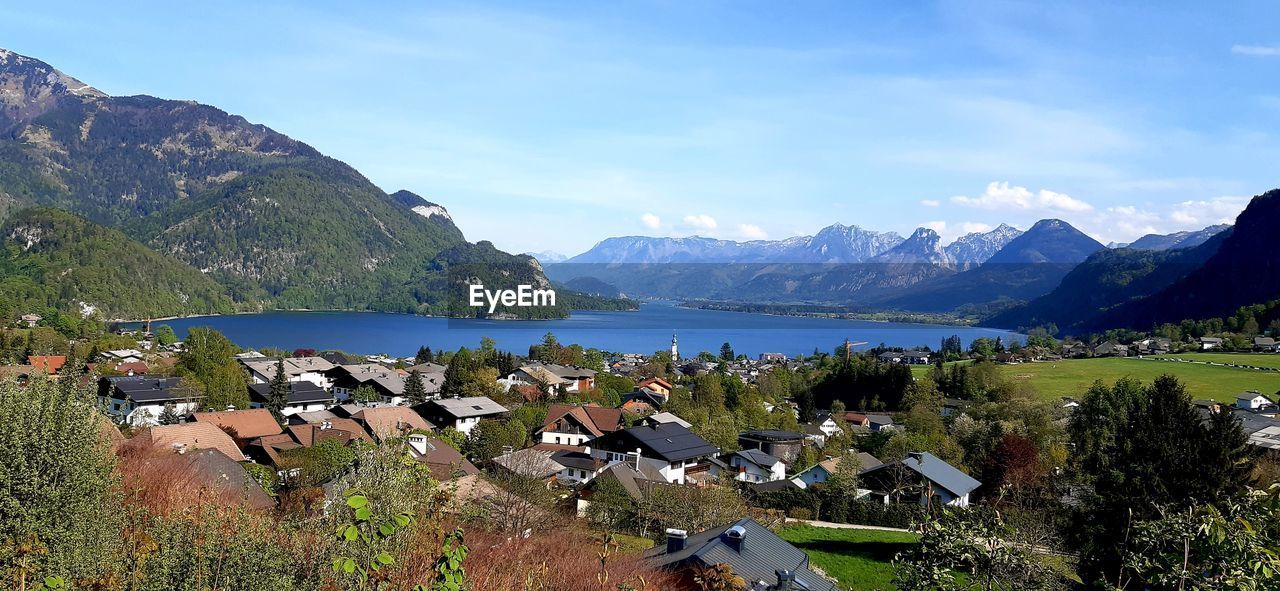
{"type": "Point", "coordinates": [1176, 240]}
{"type": "Point", "coordinates": [265, 215]}
{"type": "Point", "coordinates": [1105, 280]}
{"type": "Point", "coordinates": [53, 259]}
{"type": "Point", "coordinates": [1244, 270]}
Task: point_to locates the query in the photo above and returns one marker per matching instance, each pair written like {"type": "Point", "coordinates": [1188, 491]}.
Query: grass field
{"type": "Point", "coordinates": [1072, 377]}
{"type": "Point", "coordinates": [860, 559]}
{"type": "Point", "coordinates": [1254, 359]}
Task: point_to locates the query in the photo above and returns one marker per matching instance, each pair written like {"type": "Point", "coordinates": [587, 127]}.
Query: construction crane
{"type": "Point", "coordinates": [848, 347]}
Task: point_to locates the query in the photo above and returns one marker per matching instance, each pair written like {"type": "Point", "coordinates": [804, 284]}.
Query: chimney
{"type": "Point", "coordinates": [785, 579]}
{"type": "Point", "coordinates": [736, 537]}
{"type": "Point", "coordinates": [326, 425]}
{"type": "Point", "coordinates": [676, 539]}
{"type": "Point", "coordinates": [418, 443]}
{"type": "Point", "coordinates": [633, 459]}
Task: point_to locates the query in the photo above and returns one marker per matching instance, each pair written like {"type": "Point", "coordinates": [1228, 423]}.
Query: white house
{"type": "Point", "coordinates": [296, 369]}
{"type": "Point", "coordinates": [304, 396]}
{"type": "Point", "coordinates": [1252, 400]}
{"type": "Point", "coordinates": [677, 448]}
{"type": "Point", "coordinates": [822, 471]}
{"type": "Point", "coordinates": [754, 466]}
{"type": "Point", "coordinates": [1207, 343]}
{"type": "Point", "coordinates": [140, 400]}
{"type": "Point", "coordinates": [462, 414]}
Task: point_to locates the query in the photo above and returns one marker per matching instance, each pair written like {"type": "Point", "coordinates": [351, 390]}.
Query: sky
{"type": "Point", "coordinates": [553, 125]}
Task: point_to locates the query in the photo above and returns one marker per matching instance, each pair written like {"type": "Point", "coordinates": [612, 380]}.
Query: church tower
{"type": "Point", "coordinates": [675, 352]}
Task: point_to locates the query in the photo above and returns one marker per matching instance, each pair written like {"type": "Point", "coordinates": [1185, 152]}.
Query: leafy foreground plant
{"type": "Point", "coordinates": [365, 539]}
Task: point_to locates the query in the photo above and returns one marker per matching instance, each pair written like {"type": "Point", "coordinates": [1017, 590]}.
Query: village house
{"type": "Point", "coordinates": [49, 365]}
{"type": "Point", "coordinates": [580, 467]}
{"type": "Point", "coordinates": [1208, 343]}
{"type": "Point", "coordinates": [123, 355]}
{"type": "Point", "coordinates": [241, 425]}
{"type": "Point", "coordinates": [576, 425]}
{"type": "Point", "coordinates": [463, 414]}
{"type": "Point", "coordinates": [140, 400]}
{"type": "Point", "coordinates": [783, 445]}
{"type": "Point", "coordinates": [754, 466]}
{"type": "Point", "coordinates": [296, 369]}
{"type": "Point", "coordinates": [31, 320]}
{"type": "Point", "coordinates": [910, 357]}
{"type": "Point", "coordinates": [187, 437]}
{"type": "Point", "coordinates": [1255, 402]}
{"type": "Point", "coordinates": [386, 383]}
{"type": "Point", "coordinates": [555, 377]}
{"type": "Point", "coordinates": [389, 422]}
{"type": "Point", "coordinates": [444, 462]}
{"type": "Point", "coordinates": [658, 385]}
{"type": "Point", "coordinates": [922, 476]}
{"type": "Point", "coordinates": [304, 396]}
{"type": "Point", "coordinates": [642, 401]}
{"type": "Point", "coordinates": [679, 449]}
{"type": "Point", "coordinates": [1111, 349]}
{"type": "Point", "coordinates": [658, 418]}
{"type": "Point", "coordinates": [1265, 344]}
{"type": "Point", "coordinates": [764, 560]}
{"type": "Point", "coordinates": [822, 471]}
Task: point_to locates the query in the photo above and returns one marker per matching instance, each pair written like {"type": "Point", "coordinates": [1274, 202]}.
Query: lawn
{"type": "Point", "coordinates": [1072, 377]}
{"type": "Point", "coordinates": [1254, 359]}
{"type": "Point", "coordinates": [859, 558]}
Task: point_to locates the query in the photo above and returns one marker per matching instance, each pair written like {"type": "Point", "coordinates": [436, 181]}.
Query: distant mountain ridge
{"type": "Point", "coordinates": [836, 243]}
{"type": "Point", "coordinates": [1177, 240]}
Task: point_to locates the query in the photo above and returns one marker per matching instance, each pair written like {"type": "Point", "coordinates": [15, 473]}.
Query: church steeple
{"type": "Point", "coordinates": [675, 351]}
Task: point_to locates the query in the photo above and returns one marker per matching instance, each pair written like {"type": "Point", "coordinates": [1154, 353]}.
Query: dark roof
{"type": "Point", "coordinates": [761, 554]}
{"type": "Point", "coordinates": [473, 406]}
{"type": "Point", "coordinates": [300, 392]}
{"type": "Point", "coordinates": [758, 457]}
{"type": "Point", "coordinates": [671, 442]}
{"type": "Point", "coordinates": [576, 459]}
{"type": "Point", "coordinates": [772, 435]}
{"type": "Point", "coordinates": [938, 472]}
{"type": "Point", "coordinates": [775, 485]}
{"type": "Point", "coordinates": [147, 389]}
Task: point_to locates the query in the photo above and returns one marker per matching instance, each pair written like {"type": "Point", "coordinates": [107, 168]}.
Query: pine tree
{"type": "Point", "coordinates": [424, 356]}
{"type": "Point", "coordinates": [278, 397]}
{"type": "Point", "coordinates": [414, 390]}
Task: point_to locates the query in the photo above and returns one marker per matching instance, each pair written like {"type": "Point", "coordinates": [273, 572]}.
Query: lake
{"type": "Point", "coordinates": [644, 331]}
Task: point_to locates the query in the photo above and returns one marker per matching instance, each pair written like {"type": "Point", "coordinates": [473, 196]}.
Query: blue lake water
{"type": "Point", "coordinates": [643, 331]}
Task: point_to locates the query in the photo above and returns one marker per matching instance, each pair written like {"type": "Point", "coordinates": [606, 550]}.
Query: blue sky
{"type": "Point", "coordinates": [551, 125]}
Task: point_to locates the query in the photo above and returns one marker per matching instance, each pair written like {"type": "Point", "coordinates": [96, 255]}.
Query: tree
{"type": "Point", "coordinates": [1142, 469]}
{"type": "Point", "coordinates": [423, 356]}
{"type": "Point", "coordinates": [974, 541]}
{"type": "Point", "coordinates": [718, 577]}
{"type": "Point", "coordinates": [365, 393]}
{"type": "Point", "coordinates": [60, 509]}
{"type": "Point", "coordinates": [414, 390]}
{"type": "Point", "coordinates": [278, 396]}
{"type": "Point", "coordinates": [165, 335]}
{"type": "Point", "coordinates": [209, 358]}
{"type": "Point", "coordinates": [726, 352]}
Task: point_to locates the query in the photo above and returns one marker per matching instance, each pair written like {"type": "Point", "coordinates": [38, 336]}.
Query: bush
{"type": "Point", "coordinates": [800, 513]}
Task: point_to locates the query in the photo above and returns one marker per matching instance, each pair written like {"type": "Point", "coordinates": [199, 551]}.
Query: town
{"type": "Point", "coordinates": [679, 471]}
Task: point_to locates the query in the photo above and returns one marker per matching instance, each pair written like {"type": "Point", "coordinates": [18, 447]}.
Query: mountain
{"type": "Point", "coordinates": [548, 257]}
{"type": "Point", "coordinates": [1107, 279]}
{"type": "Point", "coordinates": [53, 259]}
{"type": "Point", "coordinates": [267, 216]}
{"type": "Point", "coordinates": [1048, 241]}
{"type": "Point", "coordinates": [1176, 240]}
{"type": "Point", "coordinates": [975, 248]}
{"type": "Point", "coordinates": [1243, 270]}
{"type": "Point", "coordinates": [836, 243]}
{"type": "Point", "coordinates": [1028, 266]}
{"type": "Point", "coordinates": [432, 211]}
{"type": "Point", "coordinates": [923, 246]}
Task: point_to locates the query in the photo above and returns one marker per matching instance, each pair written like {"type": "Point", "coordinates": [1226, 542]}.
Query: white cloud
{"type": "Point", "coordinates": [752, 232]}
{"type": "Point", "coordinates": [930, 202]}
{"type": "Point", "coordinates": [971, 227]}
{"type": "Point", "coordinates": [1219, 210]}
{"type": "Point", "coordinates": [1000, 195]}
{"type": "Point", "coordinates": [701, 222]}
{"type": "Point", "coordinates": [938, 226]}
{"type": "Point", "coordinates": [651, 221]}
{"type": "Point", "coordinates": [1256, 50]}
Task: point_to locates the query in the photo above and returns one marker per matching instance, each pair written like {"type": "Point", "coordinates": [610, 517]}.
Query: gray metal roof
{"type": "Point", "coordinates": [761, 555]}
{"type": "Point", "coordinates": [299, 392]}
{"type": "Point", "coordinates": [941, 473]}
{"type": "Point", "coordinates": [146, 389]}
{"type": "Point", "coordinates": [667, 441]}
{"type": "Point", "coordinates": [758, 458]}
{"type": "Point", "coordinates": [473, 406]}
